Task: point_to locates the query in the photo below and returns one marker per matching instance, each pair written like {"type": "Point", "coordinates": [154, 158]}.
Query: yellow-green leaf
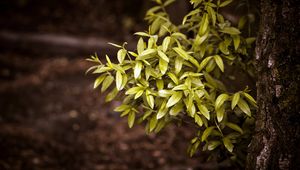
{"type": "Point", "coordinates": [234, 127]}
{"type": "Point", "coordinates": [220, 100]}
{"type": "Point", "coordinates": [219, 62]}
{"type": "Point", "coordinates": [228, 145]}
{"type": "Point", "coordinates": [150, 99]}
{"type": "Point", "coordinates": [137, 69]}
{"type": "Point", "coordinates": [204, 24]}
{"type": "Point", "coordinates": [111, 95]}
{"type": "Point", "coordinates": [244, 107]}
{"type": "Point", "coordinates": [133, 90]}
{"type": "Point", "coordinates": [175, 110]}
{"type": "Point", "coordinates": [204, 111]}
{"type": "Point", "coordinates": [119, 80]}
{"type": "Point", "coordinates": [235, 100]}
{"type": "Point", "coordinates": [207, 132]}
{"type": "Point", "coordinates": [165, 44]}
{"type": "Point", "coordinates": [140, 46]}
{"type": "Point", "coordinates": [163, 66]}
{"type": "Point", "coordinates": [220, 113]}
{"type": "Point", "coordinates": [198, 120]}
{"type": "Point", "coordinates": [236, 41]}
{"type": "Point", "coordinates": [173, 77]}
{"type": "Point", "coordinates": [161, 112]}
{"type": "Point", "coordinates": [159, 84]}
{"type": "Point", "coordinates": [99, 80]}
{"type": "Point", "coordinates": [131, 119]}
{"type": "Point", "coordinates": [163, 56]}
{"type": "Point", "coordinates": [107, 82]}
{"type": "Point", "coordinates": [175, 98]}
{"type": "Point", "coordinates": [249, 97]}
{"type": "Point", "coordinates": [204, 62]}
{"type": "Point", "coordinates": [178, 64]}
{"type": "Point", "coordinates": [225, 3]}
{"type": "Point", "coordinates": [181, 53]}
{"type": "Point", "coordinates": [213, 144]}
{"type": "Point", "coordinates": [230, 30]}
{"type": "Point", "coordinates": [121, 55]}
{"type": "Point", "coordinates": [152, 123]}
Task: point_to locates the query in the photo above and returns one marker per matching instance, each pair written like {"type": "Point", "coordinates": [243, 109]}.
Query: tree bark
{"type": "Point", "coordinates": [275, 144]}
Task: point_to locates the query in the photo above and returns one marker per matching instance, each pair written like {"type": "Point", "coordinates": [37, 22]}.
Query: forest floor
{"type": "Point", "coordinates": [51, 118]}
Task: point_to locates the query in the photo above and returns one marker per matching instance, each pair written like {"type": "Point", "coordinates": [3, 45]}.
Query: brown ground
{"type": "Point", "coordinates": [51, 118]}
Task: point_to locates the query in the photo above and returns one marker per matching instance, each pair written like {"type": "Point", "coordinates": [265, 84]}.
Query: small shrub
{"type": "Point", "coordinates": [172, 76]}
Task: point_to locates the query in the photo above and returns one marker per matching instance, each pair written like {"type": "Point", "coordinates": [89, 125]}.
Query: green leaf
{"type": "Point", "coordinates": [198, 120]}
{"type": "Point", "coordinates": [124, 81]}
{"type": "Point", "coordinates": [207, 132]}
{"type": "Point", "coordinates": [107, 82]}
{"type": "Point", "coordinates": [163, 56]}
{"type": "Point", "coordinates": [175, 110]}
{"type": "Point", "coordinates": [220, 100]}
{"type": "Point", "coordinates": [165, 93]}
{"type": "Point", "coordinates": [121, 55]}
{"type": "Point", "coordinates": [143, 34]}
{"type": "Point", "coordinates": [137, 69]}
{"type": "Point", "coordinates": [180, 87]}
{"type": "Point", "coordinates": [210, 66]}
{"type": "Point", "coordinates": [204, 111]}
{"type": "Point", "coordinates": [225, 3]}
{"type": "Point", "coordinates": [212, 15]}
{"type": "Point", "coordinates": [99, 80]}
{"type": "Point", "coordinates": [122, 108]}
{"type": "Point", "coordinates": [146, 54]}
{"type": "Point", "coordinates": [219, 62]}
{"type": "Point", "coordinates": [152, 123]}
{"type": "Point", "coordinates": [181, 53]}
{"type": "Point", "coordinates": [228, 145]}
{"type": "Point", "coordinates": [235, 100]}
{"type": "Point", "coordinates": [173, 77]}
{"type": "Point", "coordinates": [159, 84]}
{"type": "Point", "coordinates": [131, 119]}
{"type": "Point", "coordinates": [220, 113]}
{"type": "Point", "coordinates": [223, 48]}
{"type": "Point", "coordinates": [204, 24]}
{"type": "Point", "coordinates": [110, 96]}
{"type": "Point", "coordinates": [163, 66]}
{"type": "Point", "coordinates": [115, 45]}
{"type": "Point", "coordinates": [178, 64]}
{"type": "Point", "coordinates": [150, 99]}
{"type": "Point", "coordinates": [236, 41]}
{"type": "Point", "coordinates": [139, 94]}
{"type": "Point", "coordinates": [249, 97]}
{"type": "Point", "coordinates": [147, 114]}
{"type": "Point", "coordinates": [168, 2]}
{"type": "Point", "coordinates": [230, 30]}
{"type": "Point", "coordinates": [133, 90]}
{"type": "Point", "coordinates": [204, 62]}
{"type": "Point", "coordinates": [108, 61]}
{"type": "Point", "coordinates": [175, 98]}
{"type": "Point", "coordinates": [119, 80]}
{"type": "Point", "coordinates": [101, 70]}
{"type": "Point", "coordinates": [140, 46]}
{"type": "Point", "coordinates": [165, 43]}
{"type": "Point", "coordinates": [234, 127]}
{"type": "Point", "coordinates": [213, 144]}
{"type": "Point", "coordinates": [244, 107]}
{"type": "Point", "coordinates": [162, 112]}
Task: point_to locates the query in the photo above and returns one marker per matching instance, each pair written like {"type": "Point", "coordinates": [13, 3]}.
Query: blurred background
{"type": "Point", "coordinates": [50, 116]}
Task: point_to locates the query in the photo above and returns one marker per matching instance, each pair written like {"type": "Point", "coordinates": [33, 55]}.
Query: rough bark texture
{"type": "Point", "coordinates": [277, 132]}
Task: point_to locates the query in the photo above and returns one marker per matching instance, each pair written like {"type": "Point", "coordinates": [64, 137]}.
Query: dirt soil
{"type": "Point", "coordinates": [51, 118]}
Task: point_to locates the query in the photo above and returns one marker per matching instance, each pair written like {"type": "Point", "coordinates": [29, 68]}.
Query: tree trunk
{"type": "Point", "coordinates": [275, 144]}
